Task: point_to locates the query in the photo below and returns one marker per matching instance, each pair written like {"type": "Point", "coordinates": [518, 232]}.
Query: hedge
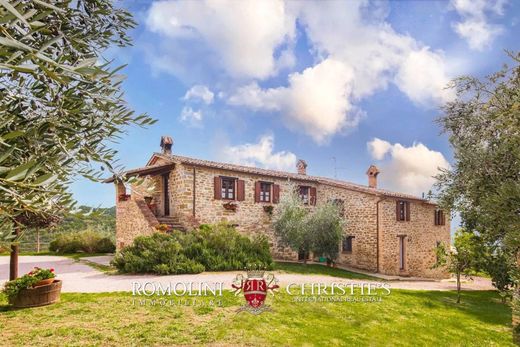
{"type": "Point", "coordinates": [209, 248]}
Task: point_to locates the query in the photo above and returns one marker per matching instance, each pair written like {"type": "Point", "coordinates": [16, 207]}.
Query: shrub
{"type": "Point", "coordinates": [85, 241]}
{"type": "Point", "coordinates": [209, 248]}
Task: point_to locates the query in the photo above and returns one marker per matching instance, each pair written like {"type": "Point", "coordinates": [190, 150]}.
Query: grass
{"type": "Point", "coordinates": [318, 269]}
{"type": "Point", "coordinates": [402, 318]}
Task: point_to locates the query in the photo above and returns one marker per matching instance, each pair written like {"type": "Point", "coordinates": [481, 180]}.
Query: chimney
{"type": "Point", "coordinates": [372, 173]}
{"type": "Point", "coordinates": [166, 144]}
{"type": "Point", "coordinates": [301, 165]}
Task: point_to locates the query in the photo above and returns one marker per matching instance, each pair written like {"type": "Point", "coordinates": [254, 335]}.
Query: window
{"type": "Point", "coordinates": [265, 192]}
{"type": "Point", "coordinates": [347, 244]}
{"type": "Point", "coordinates": [439, 217]}
{"type": "Point", "coordinates": [403, 210]}
{"type": "Point", "coordinates": [305, 194]}
{"type": "Point", "coordinates": [227, 190]}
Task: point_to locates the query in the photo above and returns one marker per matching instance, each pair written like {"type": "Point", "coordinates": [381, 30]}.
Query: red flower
{"type": "Point", "coordinates": [52, 270]}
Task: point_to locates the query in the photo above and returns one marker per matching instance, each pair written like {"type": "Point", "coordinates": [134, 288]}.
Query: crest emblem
{"type": "Point", "coordinates": [255, 288]}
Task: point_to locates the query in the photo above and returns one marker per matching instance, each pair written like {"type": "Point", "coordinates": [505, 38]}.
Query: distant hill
{"type": "Point", "coordinates": [98, 219]}
{"type": "Point", "coordinates": [102, 220]}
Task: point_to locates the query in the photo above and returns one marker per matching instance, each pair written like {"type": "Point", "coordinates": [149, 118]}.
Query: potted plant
{"type": "Point", "coordinates": [124, 197]}
{"type": "Point", "coordinates": [37, 288]}
{"type": "Point", "coordinates": [163, 228]}
{"type": "Point", "coordinates": [269, 209]}
{"type": "Point", "coordinates": [230, 206]}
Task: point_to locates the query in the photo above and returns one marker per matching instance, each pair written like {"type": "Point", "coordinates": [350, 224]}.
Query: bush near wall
{"type": "Point", "coordinates": [209, 248]}
{"type": "Point", "coordinates": [84, 241]}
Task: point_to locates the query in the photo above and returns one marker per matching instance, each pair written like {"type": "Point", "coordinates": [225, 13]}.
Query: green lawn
{"type": "Point", "coordinates": [318, 269]}
{"type": "Point", "coordinates": [418, 318]}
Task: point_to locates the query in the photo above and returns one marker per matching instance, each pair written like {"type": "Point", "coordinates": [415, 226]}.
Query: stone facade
{"type": "Point", "coordinates": [133, 217]}
{"type": "Point", "coordinates": [370, 215]}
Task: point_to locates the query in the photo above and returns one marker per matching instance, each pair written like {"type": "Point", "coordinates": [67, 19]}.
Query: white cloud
{"type": "Point", "coordinates": [242, 34]}
{"type": "Point", "coordinates": [190, 116]}
{"type": "Point", "coordinates": [421, 76]}
{"type": "Point", "coordinates": [199, 93]}
{"type": "Point", "coordinates": [378, 148]}
{"type": "Point", "coordinates": [474, 26]}
{"type": "Point", "coordinates": [407, 169]}
{"type": "Point", "coordinates": [316, 101]}
{"type": "Point", "coordinates": [260, 154]}
{"type": "Point", "coordinates": [357, 56]}
{"type": "Point", "coordinates": [356, 51]}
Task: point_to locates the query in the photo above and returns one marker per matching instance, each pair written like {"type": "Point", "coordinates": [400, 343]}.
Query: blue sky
{"type": "Point", "coordinates": [265, 83]}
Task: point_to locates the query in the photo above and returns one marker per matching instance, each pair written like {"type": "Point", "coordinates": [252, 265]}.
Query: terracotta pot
{"type": "Point", "coordinates": [43, 282]}
{"type": "Point", "coordinates": [230, 207]}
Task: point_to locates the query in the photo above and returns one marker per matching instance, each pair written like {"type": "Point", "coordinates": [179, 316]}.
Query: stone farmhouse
{"type": "Point", "coordinates": [385, 232]}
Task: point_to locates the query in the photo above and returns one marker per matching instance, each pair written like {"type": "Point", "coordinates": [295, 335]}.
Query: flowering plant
{"type": "Point", "coordinates": [42, 274]}
{"type": "Point", "coordinates": [163, 228]}
{"type": "Point", "coordinates": [12, 288]}
{"type": "Point", "coordinates": [231, 205]}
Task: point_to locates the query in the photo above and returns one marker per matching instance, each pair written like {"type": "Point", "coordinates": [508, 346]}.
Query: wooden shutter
{"type": "Point", "coordinates": [397, 210]}
{"type": "Point", "coordinates": [241, 190]}
{"type": "Point", "coordinates": [407, 206]}
{"type": "Point", "coordinates": [443, 218]}
{"type": "Point", "coordinates": [257, 191]}
{"type": "Point", "coordinates": [276, 193]}
{"type": "Point", "coordinates": [435, 220]}
{"type": "Point", "coordinates": [217, 188]}
{"type": "Point", "coordinates": [313, 195]}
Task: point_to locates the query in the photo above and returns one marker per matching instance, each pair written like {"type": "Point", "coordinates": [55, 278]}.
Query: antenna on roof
{"type": "Point", "coordinates": [336, 168]}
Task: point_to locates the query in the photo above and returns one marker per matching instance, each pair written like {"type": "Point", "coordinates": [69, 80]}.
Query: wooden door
{"type": "Point", "coordinates": [166, 192]}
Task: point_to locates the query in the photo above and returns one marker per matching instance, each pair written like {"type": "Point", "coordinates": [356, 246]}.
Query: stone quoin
{"type": "Point", "coordinates": [386, 232]}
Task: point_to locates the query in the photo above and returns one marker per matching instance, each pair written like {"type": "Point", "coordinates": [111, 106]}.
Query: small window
{"type": "Point", "coordinates": [228, 188]}
{"type": "Point", "coordinates": [305, 194]}
{"type": "Point", "coordinates": [347, 244]}
{"type": "Point", "coordinates": [403, 210]}
{"type": "Point", "coordinates": [265, 191]}
{"type": "Point", "coordinates": [439, 217]}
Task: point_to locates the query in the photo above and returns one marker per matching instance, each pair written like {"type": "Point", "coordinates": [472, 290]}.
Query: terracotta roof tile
{"type": "Point", "coordinates": [289, 175]}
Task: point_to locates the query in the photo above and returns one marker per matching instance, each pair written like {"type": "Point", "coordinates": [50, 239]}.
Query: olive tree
{"type": "Point", "coordinates": [61, 103]}
{"type": "Point", "coordinates": [483, 185]}
{"type": "Point", "coordinates": [306, 229]}
{"type": "Point", "coordinates": [326, 226]}
{"type": "Point", "coordinates": [460, 259]}
{"type": "Point", "coordinates": [290, 223]}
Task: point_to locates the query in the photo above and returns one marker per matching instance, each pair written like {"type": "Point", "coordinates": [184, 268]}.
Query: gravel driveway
{"type": "Point", "coordinates": [81, 278]}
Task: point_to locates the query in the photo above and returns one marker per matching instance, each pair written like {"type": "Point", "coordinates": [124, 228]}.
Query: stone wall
{"type": "Point", "coordinates": [360, 222]}
{"type": "Point", "coordinates": [133, 218]}
{"type": "Point", "coordinates": [421, 237]}
{"type": "Point", "coordinates": [249, 218]}
{"type": "Point", "coordinates": [360, 213]}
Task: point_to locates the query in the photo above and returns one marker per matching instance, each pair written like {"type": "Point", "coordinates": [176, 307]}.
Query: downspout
{"type": "Point", "coordinates": [194, 187]}
{"type": "Point", "coordinates": [377, 233]}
